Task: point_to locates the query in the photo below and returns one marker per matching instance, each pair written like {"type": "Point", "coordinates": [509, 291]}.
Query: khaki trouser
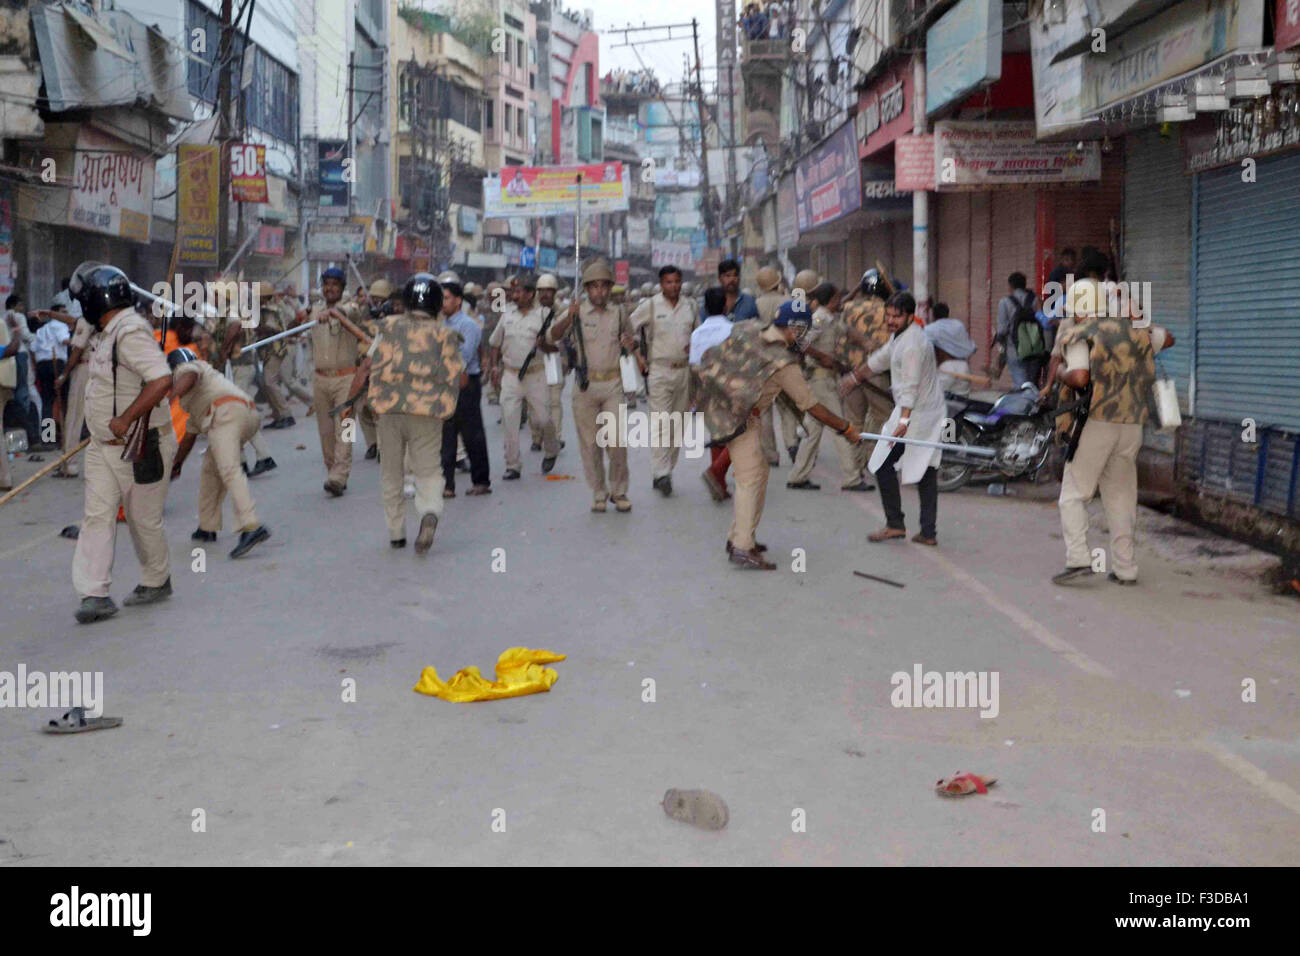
{"type": "Point", "coordinates": [556, 404]}
{"type": "Point", "coordinates": [6, 477]}
{"type": "Point", "coordinates": [233, 423]}
{"type": "Point", "coordinates": [1105, 460]}
{"type": "Point", "coordinates": [857, 411]}
{"type": "Point", "coordinates": [245, 376]}
{"type": "Point", "coordinates": [328, 391]}
{"type": "Point", "coordinates": [767, 429]}
{"type": "Point", "coordinates": [75, 416]}
{"type": "Point", "coordinates": [600, 397]}
{"type": "Point", "coordinates": [533, 390]}
{"type": "Point", "coordinates": [110, 482]}
{"type": "Point", "coordinates": [822, 385]}
{"type": "Point", "coordinates": [271, 385]}
{"type": "Point", "coordinates": [369, 421]}
{"type": "Point", "coordinates": [668, 389]}
{"type": "Point", "coordinates": [416, 441]}
{"type": "Point", "coordinates": [750, 468]}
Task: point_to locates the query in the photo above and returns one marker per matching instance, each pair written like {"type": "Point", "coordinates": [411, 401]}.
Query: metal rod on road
{"type": "Point", "coordinates": [279, 335]}
{"type": "Point", "coordinates": [44, 471]}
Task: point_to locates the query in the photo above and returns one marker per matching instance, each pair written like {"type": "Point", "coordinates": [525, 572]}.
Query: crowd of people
{"type": "Point", "coordinates": [642, 82]}
{"type": "Point", "coordinates": [404, 373]}
{"type": "Point", "coordinates": [769, 21]}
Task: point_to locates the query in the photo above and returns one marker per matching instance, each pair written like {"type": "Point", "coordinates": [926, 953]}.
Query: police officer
{"type": "Point", "coordinates": [867, 403]}
{"type": "Point", "coordinates": [415, 370]}
{"type": "Point", "coordinates": [770, 297]}
{"type": "Point", "coordinates": [1117, 360]}
{"type": "Point", "coordinates": [668, 319]}
{"type": "Point", "coordinates": [272, 322]}
{"type": "Point", "coordinates": [216, 407]}
{"type": "Point", "coordinates": [336, 342]}
{"type": "Point", "coordinates": [604, 331]}
{"type": "Point", "coordinates": [739, 378]}
{"type": "Point", "coordinates": [547, 288]}
{"type": "Point", "coordinates": [380, 301]}
{"type": "Point", "coordinates": [236, 335]}
{"type": "Point", "coordinates": [127, 384]}
{"type": "Point", "coordinates": [512, 340]}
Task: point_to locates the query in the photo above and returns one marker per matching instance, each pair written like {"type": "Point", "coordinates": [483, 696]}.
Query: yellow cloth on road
{"type": "Point", "coordinates": [519, 671]}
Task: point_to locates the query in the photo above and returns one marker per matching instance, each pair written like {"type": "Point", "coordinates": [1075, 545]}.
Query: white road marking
{"type": "Point", "coordinates": [12, 552]}
{"type": "Point", "coordinates": [1253, 775]}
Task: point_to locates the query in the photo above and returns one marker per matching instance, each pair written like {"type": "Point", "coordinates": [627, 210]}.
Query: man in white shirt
{"type": "Point", "coordinates": [714, 329]}
{"type": "Point", "coordinates": [50, 349]}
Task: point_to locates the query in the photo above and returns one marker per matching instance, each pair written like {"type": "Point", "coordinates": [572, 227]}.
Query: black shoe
{"type": "Point", "coordinates": [561, 443]}
{"type": "Point", "coordinates": [548, 464]}
{"type": "Point", "coordinates": [424, 540]}
{"type": "Point", "coordinates": [262, 467]}
{"type": "Point", "coordinates": [663, 484]}
{"type": "Point", "coordinates": [510, 475]}
{"type": "Point", "coordinates": [201, 535]}
{"type": "Point", "coordinates": [1116, 579]}
{"type": "Point", "coordinates": [287, 422]}
{"type": "Point", "coordinates": [463, 465]}
{"type": "Point", "coordinates": [334, 488]}
{"type": "Point", "coordinates": [145, 595]}
{"type": "Point", "coordinates": [399, 543]}
{"type": "Point", "coordinates": [249, 538]}
{"type": "Point", "coordinates": [95, 609]}
{"type": "Point", "coordinates": [372, 452]}
{"type": "Point", "coordinates": [862, 485]}
{"type": "Point", "coordinates": [244, 466]}
{"type": "Point", "coordinates": [794, 452]}
{"type": "Point", "coordinates": [804, 485]}
{"type": "Point", "coordinates": [760, 548]}
{"type": "Point", "coordinates": [1069, 574]}
{"type": "Point", "coordinates": [536, 446]}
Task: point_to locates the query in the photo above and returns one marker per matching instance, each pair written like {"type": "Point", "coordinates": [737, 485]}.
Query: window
{"type": "Point", "coordinates": [200, 77]}
{"type": "Point", "coordinates": [519, 53]}
{"type": "Point", "coordinates": [509, 41]}
{"type": "Point", "coordinates": [271, 102]}
{"type": "Point", "coordinates": [489, 111]}
{"type": "Point", "coordinates": [509, 116]}
{"type": "Point", "coordinates": [519, 116]}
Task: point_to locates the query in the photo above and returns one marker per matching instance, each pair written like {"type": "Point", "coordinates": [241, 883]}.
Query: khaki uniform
{"type": "Point", "coordinates": [278, 368]}
{"type": "Point", "coordinates": [272, 322]}
{"type": "Point", "coordinates": [601, 329]}
{"type": "Point", "coordinates": [739, 379]}
{"type": "Point", "coordinates": [515, 336]}
{"type": "Point", "coordinates": [829, 335]}
{"type": "Point", "coordinates": [414, 383]}
{"type": "Point", "coordinates": [75, 416]}
{"type": "Point", "coordinates": [337, 353]}
{"type": "Point", "coordinates": [668, 335]}
{"type": "Point", "coordinates": [243, 372]}
{"type": "Point", "coordinates": [219, 409]}
{"type": "Point", "coordinates": [866, 408]}
{"type": "Point", "coordinates": [768, 303]}
{"type": "Point", "coordinates": [110, 481]}
{"type": "Point", "coordinates": [1121, 364]}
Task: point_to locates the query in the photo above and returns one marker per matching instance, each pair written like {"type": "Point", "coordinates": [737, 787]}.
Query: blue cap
{"type": "Point", "coordinates": [793, 313]}
{"type": "Point", "coordinates": [334, 272]}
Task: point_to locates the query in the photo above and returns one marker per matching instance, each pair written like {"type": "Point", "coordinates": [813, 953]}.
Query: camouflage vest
{"type": "Point", "coordinates": [1122, 369]}
{"type": "Point", "coordinates": [416, 368]}
{"type": "Point", "coordinates": [866, 316]}
{"type": "Point", "coordinates": [732, 376]}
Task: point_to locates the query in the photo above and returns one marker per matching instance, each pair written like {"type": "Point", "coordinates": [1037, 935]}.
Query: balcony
{"type": "Point", "coordinates": [764, 60]}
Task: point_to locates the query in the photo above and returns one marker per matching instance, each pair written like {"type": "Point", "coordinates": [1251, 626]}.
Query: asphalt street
{"type": "Point", "coordinates": [771, 689]}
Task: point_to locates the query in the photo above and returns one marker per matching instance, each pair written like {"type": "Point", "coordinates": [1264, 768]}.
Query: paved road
{"type": "Point", "coordinates": [771, 689]}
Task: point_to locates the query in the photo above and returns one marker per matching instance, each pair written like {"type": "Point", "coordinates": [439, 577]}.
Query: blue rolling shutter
{"type": "Point", "coordinates": [1247, 321]}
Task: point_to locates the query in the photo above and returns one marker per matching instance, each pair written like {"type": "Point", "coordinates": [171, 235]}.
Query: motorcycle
{"type": "Point", "coordinates": [1019, 427]}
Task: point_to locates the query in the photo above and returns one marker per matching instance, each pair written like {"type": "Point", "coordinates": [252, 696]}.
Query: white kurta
{"type": "Point", "coordinates": [914, 380]}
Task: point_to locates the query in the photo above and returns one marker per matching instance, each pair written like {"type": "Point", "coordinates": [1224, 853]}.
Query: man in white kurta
{"type": "Point", "coordinates": [919, 411]}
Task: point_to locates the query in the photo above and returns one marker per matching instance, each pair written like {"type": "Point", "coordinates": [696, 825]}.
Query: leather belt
{"type": "Point", "coordinates": [533, 369]}
{"type": "Point", "coordinates": [336, 372]}
{"type": "Point", "coordinates": [232, 398]}
{"type": "Point", "coordinates": [605, 376]}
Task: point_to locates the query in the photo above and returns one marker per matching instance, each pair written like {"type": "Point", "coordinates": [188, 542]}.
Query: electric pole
{"type": "Point", "coordinates": [224, 58]}
{"type": "Point", "coordinates": [710, 224]}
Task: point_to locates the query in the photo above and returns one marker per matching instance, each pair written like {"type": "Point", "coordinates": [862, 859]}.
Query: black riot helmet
{"type": "Point", "coordinates": [100, 289]}
{"type": "Point", "coordinates": [178, 357]}
{"type": "Point", "coordinates": [873, 283]}
{"type": "Point", "coordinates": [422, 293]}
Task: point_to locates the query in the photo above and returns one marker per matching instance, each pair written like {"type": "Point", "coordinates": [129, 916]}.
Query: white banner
{"type": "Point", "coordinates": [112, 188]}
{"type": "Point", "coordinates": [671, 254]}
{"type": "Point", "coordinates": [978, 155]}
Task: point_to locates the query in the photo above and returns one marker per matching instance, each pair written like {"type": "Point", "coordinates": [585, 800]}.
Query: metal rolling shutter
{"type": "Point", "coordinates": [1248, 294]}
{"type": "Point", "coordinates": [1158, 240]}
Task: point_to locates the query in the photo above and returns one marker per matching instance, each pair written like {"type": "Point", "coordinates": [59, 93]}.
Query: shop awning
{"type": "Point", "coordinates": [1116, 18]}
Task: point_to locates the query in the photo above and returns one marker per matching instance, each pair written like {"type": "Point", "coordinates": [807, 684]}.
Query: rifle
{"type": "Point", "coordinates": [528, 359]}
{"type": "Point", "coordinates": [1080, 409]}
{"type": "Point", "coordinates": [581, 365]}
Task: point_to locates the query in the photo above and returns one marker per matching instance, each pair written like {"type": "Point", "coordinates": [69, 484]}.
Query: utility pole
{"type": "Point", "coordinates": [351, 128]}
{"type": "Point", "coordinates": [710, 224]}
{"type": "Point", "coordinates": [224, 57]}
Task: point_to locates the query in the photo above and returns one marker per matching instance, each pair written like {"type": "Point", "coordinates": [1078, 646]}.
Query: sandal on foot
{"type": "Point", "coordinates": [75, 721]}
{"type": "Point", "coordinates": [751, 559]}
{"type": "Point", "coordinates": [699, 808]}
{"type": "Point", "coordinates": [886, 534]}
{"type": "Point", "coordinates": [962, 783]}
{"type": "Point", "coordinates": [919, 538]}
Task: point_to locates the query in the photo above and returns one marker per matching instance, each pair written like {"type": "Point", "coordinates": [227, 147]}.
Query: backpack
{"type": "Point", "coordinates": [1026, 332]}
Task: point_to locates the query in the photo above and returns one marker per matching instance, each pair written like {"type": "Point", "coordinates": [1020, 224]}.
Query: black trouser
{"type": "Point", "coordinates": [466, 423]}
{"type": "Point", "coordinates": [891, 498]}
{"type": "Point", "coordinates": [47, 370]}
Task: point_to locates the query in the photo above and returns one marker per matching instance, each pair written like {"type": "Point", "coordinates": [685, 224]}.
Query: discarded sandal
{"type": "Point", "coordinates": [961, 783]}
{"type": "Point", "coordinates": [75, 721]}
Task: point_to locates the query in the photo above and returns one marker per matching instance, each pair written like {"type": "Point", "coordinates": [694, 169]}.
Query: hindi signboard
{"type": "Point", "coordinates": [827, 184]}
{"type": "Point", "coordinates": [198, 175]}
{"type": "Point", "coordinates": [978, 155]}
{"type": "Point", "coordinates": [248, 173]}
{"type": "Point", "coordinates": [112, 188]}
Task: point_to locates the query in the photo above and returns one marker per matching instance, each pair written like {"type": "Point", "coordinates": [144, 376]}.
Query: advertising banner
{"type": "Point", "coordinates": [248, 173]}
{"type": "Point", "coordinates": [787, 217]}
{"type": "Point", "coordinates": [663, 253]}
{"type": "Point", "coordinates": [533, 191]}
{"type": "Point", "coordinates": [270, 241]}
{"type": "Point", "coordinates": [1286, 25]}
{"type": "Point", "coordinates": [334, 190]}
{"type": "Point", "coordinates": [884, 110]}
{"type": "Point", "coordinates": [826, 183]}
{"type": "Point", "coordinates": [198, 182]}
{"type": "Point", "coordinates": [963, 52]}
{"type": "Point", "coordinates": [336, 240]}
{"type": "Point", "coordinates": [914, 163]}
{"type": "Point", "coordinates": [112, 188]}
{"type": "Point", "coordinates": [982, 154]}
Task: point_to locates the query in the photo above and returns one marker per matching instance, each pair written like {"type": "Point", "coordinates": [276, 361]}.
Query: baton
{"type": "Point", "coordinates": [279, 335]}
{"type": "Point", "coordinates": [942, 446]}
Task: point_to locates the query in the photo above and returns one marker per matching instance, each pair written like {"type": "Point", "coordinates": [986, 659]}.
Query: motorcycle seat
{"type": "Point", "coordinates": [981, 421]}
